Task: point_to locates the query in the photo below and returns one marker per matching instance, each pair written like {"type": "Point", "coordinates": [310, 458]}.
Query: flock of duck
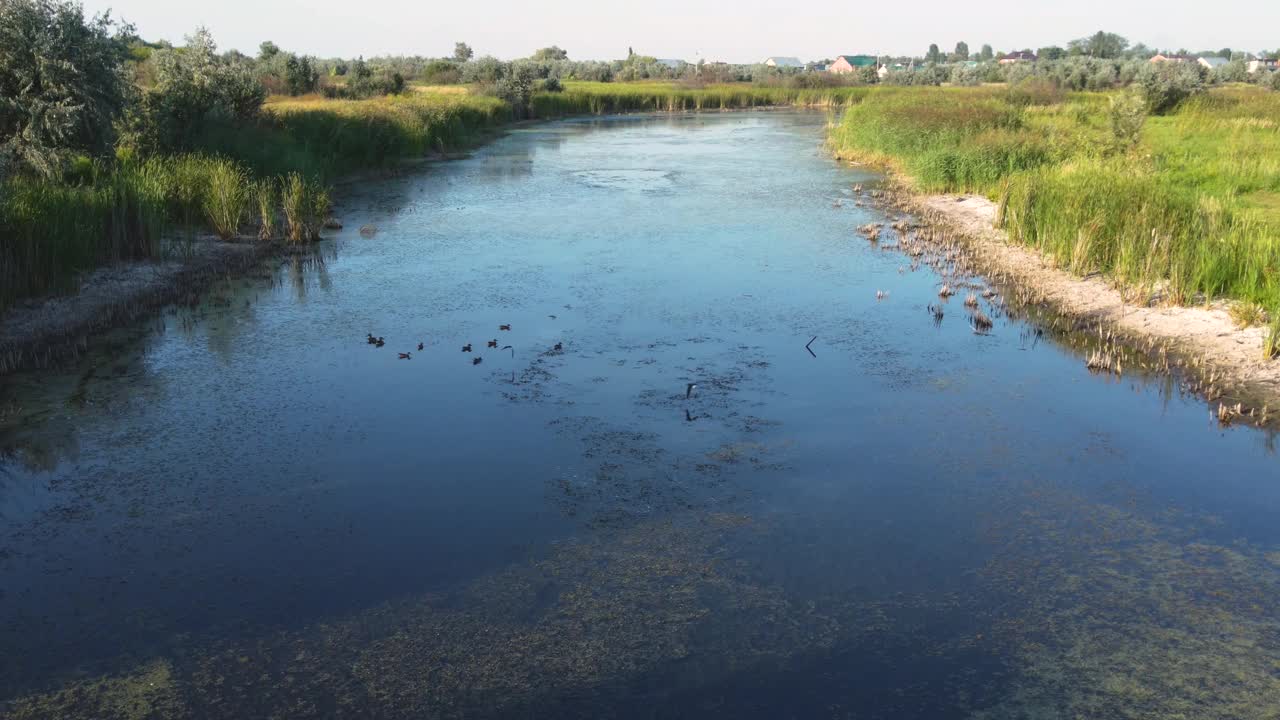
{"type": "Point", "coordinates": [378, 342]}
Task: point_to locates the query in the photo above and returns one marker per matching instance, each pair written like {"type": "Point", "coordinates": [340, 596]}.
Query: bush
{"type": "Point", "coordinates": [61, 84]}
{"type": "Point", "coordinates": [226, 198]}
{"type": "Point", "coordinates": [195, 89]}
{"type": "Point", "coordinates": [1166, 85]}
{"type": "Point", "coordinates": [1128, 116]}
{"type": "Point", "coordinates": [552, 84]}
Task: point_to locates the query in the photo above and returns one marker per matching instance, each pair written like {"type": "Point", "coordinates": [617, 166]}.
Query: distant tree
{"type": "Point", "coordinates": [300, 76]}
{"type": "Point", "coordinates": [268, 50]}
{"type": "Point", "coordinates": [986, 53]}
{"type": "Point", "coordinates": [1224, 53]}
{"type": "Point", "coordinates": [935, 55]}
{"type": "Point", "coordinates": [1053, 52]}
{"type": "Point", "coordinates": [962, 51]}
{"type": "Point", "coordinates": [1166, 85]}
{"type": "Point", "coordinates": [551, 53]}
{"type": "Point", "coordinates": [462, 52]}
{"type": "Point", "coordinates": [339, 68]}
{"type": "Point", "coordinates": [1101, 44]}
{"type": "Point", "coordinates": [361, 69]}
{"type": "Point", "coordinates": [62, 84]}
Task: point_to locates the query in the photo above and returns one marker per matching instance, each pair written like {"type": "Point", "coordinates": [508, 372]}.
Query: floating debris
{"type": "Point", "coordinates": [881, 295]}
{"type": "Point", "coordinates": [368, 231]}
{"type": "Point", "coordinates": [333, 223]}
{"type": "Point", "coordinates": [808, 346]}
{"type": "Point", "coordinates": [688, 390]}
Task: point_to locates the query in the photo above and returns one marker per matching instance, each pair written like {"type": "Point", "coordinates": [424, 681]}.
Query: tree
{"type": "Point", "coordinates": [1053, 52]}
{"type": "Point", "coordinates": [1101, 44]}
{"type": "Point", "coordinates": [987, 53]}
{"type": "Point", "coordinates": [194, 87]}
{"type": "Point", "coordinates": [62, 83]}
{"type": "Point", "coordinates": [935, 55]}
{"type": "Point", "coordinates": [300, 77]}
{"type": "Point", "coordinates": [268, 50]}
{"type": "Point", "coordinates": [962, 51]}
{"type": "Point", "coordinates": [551, 53]}
{"type": "Point", "coordinates": [462, 52]}
{"type": "Point", "coordinates": [1225, 53]}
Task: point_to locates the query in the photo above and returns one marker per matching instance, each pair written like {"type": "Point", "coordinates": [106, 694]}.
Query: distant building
{"type": "Point", "coordinates": [1263, 64]}
{"type": "Point", "coordinates": [1020, 56]}
{"type": "Point", "coordinates": [671, 63]}
{"type": "Point", "coordinates": [1212, 61]}
{"type": "Point", "coordinates": [885, 69]}
{"type": "Point", "coordinates": [1163, 58]}
{"type": "Point", "coordinates": [783, 62]}
{"type": "Point", "coordinates": [845, 64]}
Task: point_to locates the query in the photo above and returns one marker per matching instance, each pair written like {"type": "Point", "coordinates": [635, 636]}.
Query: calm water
{"type": "Point", "coordinates": [247, 511]}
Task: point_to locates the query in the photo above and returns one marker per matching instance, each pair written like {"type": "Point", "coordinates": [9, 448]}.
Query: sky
{"type": "Point", "coordinates": [733, 31]}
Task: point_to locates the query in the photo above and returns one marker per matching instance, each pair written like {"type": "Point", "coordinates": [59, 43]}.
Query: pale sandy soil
{"type": "Point", "coordinates": [1206, 334]}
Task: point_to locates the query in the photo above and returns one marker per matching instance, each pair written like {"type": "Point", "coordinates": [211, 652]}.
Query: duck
{"type": "Point", "coordinates": [504, 328]}
{"type": "Point", "coordinates": [559, 347]}
{"type": "Point", "coordinates": [466, 348]}
{"type": "Point", "coordinates": [405, 356]}
{"type": "Point", "coordinates": [420, 347]}
{"type": "Point", "coordinates": [379, 343]}
{"type": "Point", "coordinates": [493, 343]}
{"type": "Point", "coordinates": [372, 340]}
{"type": "Point", "coordinates": [477, 360]}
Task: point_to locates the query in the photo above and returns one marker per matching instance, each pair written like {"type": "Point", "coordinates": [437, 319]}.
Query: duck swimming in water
{"type": "Point", "coordinates": [559, 347]}
{"type": "Point", "coordinates": [419, 347]}
{"type": "Point", "coordinates": [405, 356]}
{"type": "Point", "coordinates": [493, 343]}
{"type": "Point", "coordinates": [477, 360]}
{"type": "Point", "coordinates": [504, 327]}
{"type": "Point", "coordinates": [466, 348]}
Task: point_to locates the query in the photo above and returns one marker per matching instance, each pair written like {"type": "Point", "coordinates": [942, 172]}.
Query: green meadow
{"type": "Point", "coordinates": [1185, 204]}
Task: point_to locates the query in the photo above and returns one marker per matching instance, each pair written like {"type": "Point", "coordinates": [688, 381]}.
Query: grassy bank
{"type": "Point", "coordinates": [1192, 207]}
{"type": "Point", "coordinates": [266, 180]}
{"type": "Point", "coordinates": [236, 182]}
{"type": "Point", "coordinates": [595, 98]}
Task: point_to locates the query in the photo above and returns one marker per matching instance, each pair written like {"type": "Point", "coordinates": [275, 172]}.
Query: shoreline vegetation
{"type": "Point", "coordinates": [1161, 177]}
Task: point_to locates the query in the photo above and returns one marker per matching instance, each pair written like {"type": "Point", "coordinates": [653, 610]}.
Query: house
{"type": "Point", "coordinates": [1020, 56]}
{"type": "Point", "coordinates": [778, 61]}
{"type": "Point", "coordinates": [846, 64]}
{"type": "Point", "coordinates": [1212, 61]}
{"type": "Point", "coordinates": [1263, 64]}
{"type": "Point", "coordinates": [1163, 58]}
{"type": "Point", "coordinates": [885, 69]}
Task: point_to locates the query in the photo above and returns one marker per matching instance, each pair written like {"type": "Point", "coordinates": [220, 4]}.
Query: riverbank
{"type": "Point", "coordinates": [45, 331]}
{"type": "Point", "coordinates": [1218, 359]}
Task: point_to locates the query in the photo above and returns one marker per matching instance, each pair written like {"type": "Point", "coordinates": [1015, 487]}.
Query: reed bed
{"type": "Point", "coordinates": [1190, 215]}
{"type": "Point", "coordinates": [592, 98]}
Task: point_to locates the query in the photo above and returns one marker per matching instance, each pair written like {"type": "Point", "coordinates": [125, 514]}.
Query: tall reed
{"type": "Point", "coordinates": [226, 198]}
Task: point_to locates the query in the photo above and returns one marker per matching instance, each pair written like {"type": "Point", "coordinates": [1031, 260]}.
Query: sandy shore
{"type": "Point", "coordinates": [1205, 337]}
{"type": "Point", "coordinates": [48, 330]}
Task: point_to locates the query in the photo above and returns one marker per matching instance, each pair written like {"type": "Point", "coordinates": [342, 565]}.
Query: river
{"type": "Point", "coordinates": [246, 510]}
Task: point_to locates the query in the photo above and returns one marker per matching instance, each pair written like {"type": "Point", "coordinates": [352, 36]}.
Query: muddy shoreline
{"type": "Point", "coordinates": [1200, 345]}
{"type": "Point", "coordinates": [49, 330]}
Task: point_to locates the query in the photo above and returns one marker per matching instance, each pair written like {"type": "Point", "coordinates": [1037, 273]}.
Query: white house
{"type": "Point", "coordinates": [783, 62]}
{"type": "Point", "coordinates": [1212, 61]}
{"type": "Point", "coordinates": [1262, 64]}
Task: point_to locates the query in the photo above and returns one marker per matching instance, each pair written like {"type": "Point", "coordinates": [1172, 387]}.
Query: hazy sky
{"type": "Point", "coordinates": [731, 30]}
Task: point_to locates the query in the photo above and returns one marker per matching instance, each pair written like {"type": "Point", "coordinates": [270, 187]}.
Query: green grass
{"type": "Point", "coordinates": [1194, 208]}
{"type": "Point", "coordinates": [594, 98]}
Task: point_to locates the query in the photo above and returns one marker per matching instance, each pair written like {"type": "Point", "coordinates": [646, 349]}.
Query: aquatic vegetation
{"type": "Point", "coordinates": [264, 195]}
{"type": "Point", "coordinates": [305, 206]}
{"type": "Point", "coordinates": [596, 98]}
{"type": "Point", "coordinates": [226, 199]}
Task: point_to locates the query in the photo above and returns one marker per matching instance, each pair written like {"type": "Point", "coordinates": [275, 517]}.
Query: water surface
{"type": "Point", "coordinates": [245, 510]}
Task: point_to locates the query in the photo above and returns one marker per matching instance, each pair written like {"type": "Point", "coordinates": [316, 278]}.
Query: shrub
{"type": "Point", "coordinates": [552, 84]}
{"type": "Point", "coordinates": [195, 89]}
{"type": "Point", "coordinates": [61, 83]}
{"type": "Point", "coordinates": [1166, 85]}
{"type": "Point", "coordinates": [1128, 114]}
